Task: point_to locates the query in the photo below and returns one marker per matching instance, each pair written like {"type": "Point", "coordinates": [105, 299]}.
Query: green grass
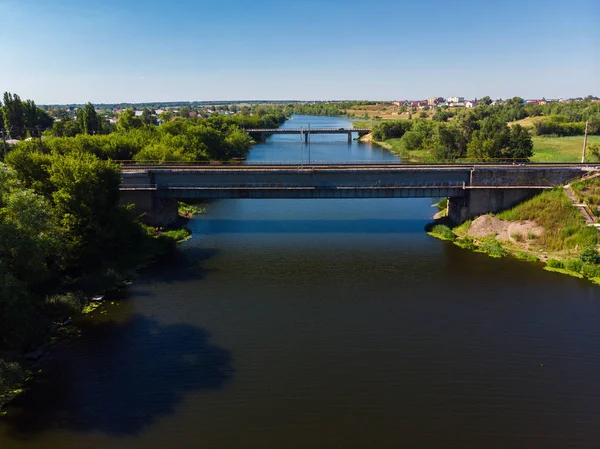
{"type": "Point", "coordinates": [193, 209]}
{"type": "Point", "coordinates": [559, 149]}
{"type": "Point", "coordinates": [588, 191]}
{"type": "Point", "coordinates": [443, 232]}
{"type": "Point", "coordinates": [565, 228]}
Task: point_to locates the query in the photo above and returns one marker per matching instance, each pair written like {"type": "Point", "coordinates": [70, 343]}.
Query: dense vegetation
{"type": "Point", "coordinates": [487, 138]}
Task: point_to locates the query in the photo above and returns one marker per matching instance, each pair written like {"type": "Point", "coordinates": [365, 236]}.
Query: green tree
{"type": "Point", "coordinates": [147, 117]}
{"type": "Point", "coordinates": [12, 112]}
{"type": "Point", "coordinates": [88, 119]}
{"type": "Point", "coordinates": [521, 145]}
{"type": "Point", "coordinates": [128, 120]}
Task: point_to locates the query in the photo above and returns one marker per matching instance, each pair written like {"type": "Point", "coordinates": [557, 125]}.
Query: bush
{"type": "Point", "coordinates": [64, 305]}
{"type": "Point", "coordinates": [11, 375]}
{"type": "Point", "coordinates": [526, 257]}
{"type": "Point", "coordinates": [442, 204]}
{"type": "Point", "coordinates": [177, 235]}
{"type": "Point", "coordinates": [443, 232]}
{"type": "Point", "coordinates": [517, 237]}
{"type": "Point", "coordinates": [589, 255]}
{"type": "Point", "coordinates": [466, 243]}
{"type": "Point", "coordinates": [553, 263]}
{"type": "Point", "coordinates": [574, 265]}
{"type": "Point", "coordinates": [590, 270]}
{"type": "Point", "coordinates": [493, 248]}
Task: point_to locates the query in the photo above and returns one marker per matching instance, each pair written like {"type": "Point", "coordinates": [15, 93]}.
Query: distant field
{"type": "Point", "coordinates": [527, 122]}
{"type": "Point", "coordinates": [559, 149]}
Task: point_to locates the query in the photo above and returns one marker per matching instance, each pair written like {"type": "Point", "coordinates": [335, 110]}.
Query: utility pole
{"type": "Point", "coordinates": [587, 122]}
{"type": "Point", "coordinates": [3, 142]}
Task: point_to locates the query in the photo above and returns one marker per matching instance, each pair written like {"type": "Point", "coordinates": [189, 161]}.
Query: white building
{"type": "Point", "coordinates": [455, 100]}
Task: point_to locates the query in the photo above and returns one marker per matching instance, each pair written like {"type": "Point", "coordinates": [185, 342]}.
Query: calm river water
{"type": "Point", "coordinates": [325, 324]}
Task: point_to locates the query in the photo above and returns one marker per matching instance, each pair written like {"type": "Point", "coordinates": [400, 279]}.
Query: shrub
{"type": "Point", "coordinates": [443, 232]}
{"type": "Point", "coordinates": [64, 305]}
{"type": "Point", "coordinates": [590, 270]}
{"type": "Point", "coordinates": [11, 375]}
{"type": "Point", "coordinates": [466, 243]}
{"type": "Point", "coordinates": [553, 263]}
{"type": "Point", "coordinates": [526, 257]}
{"type": "Point", "coordinates": [589, 255]}
{"type": "Point", "coordinates": [574, 265]}
{"type": "Point", "coordinates": [517, 237]}
{"type": "Point", "coordinates": [177, 235]}
{"type": "Point", "coordinates": [531, 236]}
{"type": "Point", "coordinates": [442, 204]}
{"type": "Point", "coordinates": [493, 248]}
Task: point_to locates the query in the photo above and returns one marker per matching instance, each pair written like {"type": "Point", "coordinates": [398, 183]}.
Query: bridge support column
{"type": "Point", "coordinates": [349, 138]}
{"type": "Point", "coordinates": [306, 138]}
{"type": "Point", "coordinates": [483, 201]}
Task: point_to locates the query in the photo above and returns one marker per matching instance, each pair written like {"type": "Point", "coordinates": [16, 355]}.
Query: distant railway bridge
{"type": "Point", "coordinates": [262, 134]}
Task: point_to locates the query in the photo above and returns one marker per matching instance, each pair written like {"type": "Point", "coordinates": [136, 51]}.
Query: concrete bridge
{"type": "Point", "coordinates": [472, 189]}
{"type": "Point", "coordinates": [262, 134]}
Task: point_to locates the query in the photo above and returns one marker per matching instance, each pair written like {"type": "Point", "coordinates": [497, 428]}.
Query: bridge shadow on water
{"type": "Point", "coordinates": [371, 226]}
{"type": "Point", "coordinates": [138, 375]}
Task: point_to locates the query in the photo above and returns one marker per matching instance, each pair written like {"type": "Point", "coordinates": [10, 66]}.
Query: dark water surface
{"type": "Point", "coordinates": [325, 324]}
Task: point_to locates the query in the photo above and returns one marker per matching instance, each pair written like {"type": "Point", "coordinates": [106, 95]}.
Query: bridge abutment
{"type": "Point", "coordinates": [483, 201]}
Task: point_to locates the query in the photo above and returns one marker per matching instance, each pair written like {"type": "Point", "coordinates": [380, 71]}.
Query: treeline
{"type": "Point", "coordinates": [331, 109]}
{"type": "Point", "coordinates": [215, 138]}
{"type": "Point", "coordinates": [488, 138]}
{"type": "Point", "coordinates": [20, 119]}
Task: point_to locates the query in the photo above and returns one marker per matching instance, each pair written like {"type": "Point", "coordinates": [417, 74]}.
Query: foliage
{"type": "Point", "coordinates": [589, 255]}
{"type": "Point", "coordinates": [443, 232]}
{"type": "Point", "coordinates": [11, 376]}
{"type": "Point", "coordinates": [553, 263]}
{"type": "Point", "coordinates": [177, 235]}
{"type": "Point", "coordinates": [564, 227]}
{"type": "Point", "coordinates": [21, 118]}
{"type": "Point", "coordinates": [88, 120]}
{"type": "Point", "coordinates": [493, 247]}
{"type": "Point", "coordinates": [526, 257]}
{"type": "Point", "coordinates": [184, 209]}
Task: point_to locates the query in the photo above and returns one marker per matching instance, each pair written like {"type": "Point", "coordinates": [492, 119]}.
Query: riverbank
{"type": "Point", "coordinates": [547, 229]}
{"type": "Point", "coordinates": [86, 295]}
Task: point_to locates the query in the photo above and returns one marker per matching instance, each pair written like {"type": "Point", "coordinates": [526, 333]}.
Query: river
{"type": "Point", "coordinates": [325, 324]}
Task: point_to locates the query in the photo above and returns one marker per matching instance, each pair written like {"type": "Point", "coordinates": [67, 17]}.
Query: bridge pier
{"type": "Point", "coordinates": [483, 201]}
{"type": "Point", "coordinates": [349, 138]}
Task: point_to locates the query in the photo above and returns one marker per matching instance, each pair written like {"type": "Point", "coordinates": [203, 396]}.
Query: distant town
{"type": "Point", "coordinates": [164, 111]}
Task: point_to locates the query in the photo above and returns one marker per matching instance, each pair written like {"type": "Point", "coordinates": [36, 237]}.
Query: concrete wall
{"type": "Point", "coordinates": [483, 201]}
{"type": "Point", "coordinates": [523, 176]}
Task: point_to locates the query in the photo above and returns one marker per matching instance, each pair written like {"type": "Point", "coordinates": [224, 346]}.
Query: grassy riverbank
{"type": "Point", "coordinates": [546, 229]}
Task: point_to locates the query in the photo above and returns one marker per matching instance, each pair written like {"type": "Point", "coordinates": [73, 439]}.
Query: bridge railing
{"type": "Point", "coordinates": [346, 185]}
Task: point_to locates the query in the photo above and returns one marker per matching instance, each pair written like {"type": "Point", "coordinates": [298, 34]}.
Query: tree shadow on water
{"type": "Point", "coordinates": [120, 378]}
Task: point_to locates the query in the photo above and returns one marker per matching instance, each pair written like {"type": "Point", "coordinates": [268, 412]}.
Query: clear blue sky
{"type": "Point", "coordinates": [62, 51]}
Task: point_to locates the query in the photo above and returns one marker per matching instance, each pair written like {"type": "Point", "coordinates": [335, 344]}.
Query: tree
{"type": "Point", "coordinates": [27, 241]}
{"type": "Point", "coordinates": [485, 101]}
{"type": "Point", "coordinates": [128, 120]}
{"type": "Point", "coordinates": [88, 119]}
{"type": "Point", "coordinates": [521, 145]}
{"type": "Point", "coordinates": [148, 117]}
{"type": "Point", "coordinates": [12, 112]}
{"type": "Point", "coordinates": [85, 196]}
